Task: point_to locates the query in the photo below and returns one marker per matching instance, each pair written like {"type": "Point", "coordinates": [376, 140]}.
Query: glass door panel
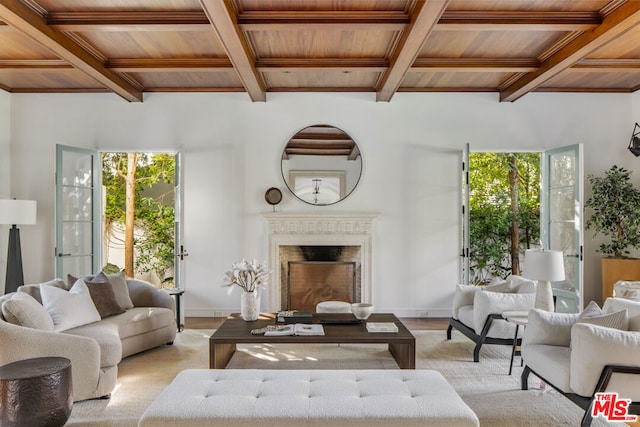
{"type": "Point", "coordinates": [77, 211]}
{"type": "Point", "coordinates": [561, 203]}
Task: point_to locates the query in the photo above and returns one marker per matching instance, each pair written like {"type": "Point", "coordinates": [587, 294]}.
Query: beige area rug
{"type": "Point", "coordinates": [494, 396]}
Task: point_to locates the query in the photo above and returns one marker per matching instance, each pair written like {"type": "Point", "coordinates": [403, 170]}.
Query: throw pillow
{"type": "Point", "coordinates": [69, 309]}
{"type": "Point", "coordinates": [119, 282]}
{"type": "Point", "coordinates": [104, 298]}
{"type": "Point", "coordinates": [594, 315]}
{"type": "Point", "coordinates": [34, 290]}
{"type": "Point", "coordinates": [23, 310]}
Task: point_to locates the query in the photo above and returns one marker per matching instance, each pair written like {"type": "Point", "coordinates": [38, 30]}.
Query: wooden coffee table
{"type": "Point", "coordinates": [234, 330]}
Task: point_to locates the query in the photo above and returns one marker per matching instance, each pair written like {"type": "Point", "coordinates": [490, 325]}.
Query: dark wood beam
{"type": "Point", "coordinates": [333, 20]}
{"type": "Point", "coordinates": [223, 19]}
{"type": "Point", "coordinates": [169, 65]}
{"type": "Point", "coordinates": [476, 65]}
{"type": "Point", "coordinates": [129, 21]}
{"type": "Point", "coordinates": [423, 19]}
{"type": "Point", "coordinates": [25, 20]}
{"type": "Point", "coordinates": [607, 65]}
{"type": "Point", "coordinates": [461, 20]}
{"type": "Point", "coordinates": [34, 64]}
{"type": "Point", "coordinates": [292, 65]}
{"type": "Point", "coordinates": [615, 24]}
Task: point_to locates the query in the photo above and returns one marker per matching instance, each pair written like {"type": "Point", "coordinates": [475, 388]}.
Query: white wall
{"type": "Point", "coordinates": [410, 146]}
{"type": "Point", "coordinates": [5, 173]}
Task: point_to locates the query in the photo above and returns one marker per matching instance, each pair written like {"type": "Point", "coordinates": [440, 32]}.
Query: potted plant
{"type": "Point", "coordinates": [615, 205]}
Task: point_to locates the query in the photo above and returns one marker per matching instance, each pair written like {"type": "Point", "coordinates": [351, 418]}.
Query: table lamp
{"type": "Point", "coordinates": [545, 266]}
{"type": "Point", "coordinates": [15, 212]}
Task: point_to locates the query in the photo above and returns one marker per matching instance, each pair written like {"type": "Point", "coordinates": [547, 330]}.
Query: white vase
{"type": "Point", "coordinates": [250, 305]}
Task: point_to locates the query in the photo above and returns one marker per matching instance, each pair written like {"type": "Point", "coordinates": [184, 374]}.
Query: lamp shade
{"type": "Point", "coordinates": [544, 265]}
{"type": "Point", "coordinates": [14, 211]}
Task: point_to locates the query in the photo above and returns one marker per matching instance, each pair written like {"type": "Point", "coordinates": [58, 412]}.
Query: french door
{"type": "Point", "coordinates": [562, 220]}
{"type": "Point", "coordinates": [77, 211]}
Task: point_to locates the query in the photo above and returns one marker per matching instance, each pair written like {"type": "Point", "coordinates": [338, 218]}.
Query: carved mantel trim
{"type": "Point", "coordinates": [336, 229]}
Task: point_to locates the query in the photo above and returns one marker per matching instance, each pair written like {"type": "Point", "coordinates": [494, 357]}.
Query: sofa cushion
{"type": "Point", "coordinates": [104, 298]}
{"type": "Point", "coordinates": [544, 327]}
{"type": "Point", "coordinates": [463, 296]}
{"type": "Point", "coordinates": [551, 362]}
{"type": "Point", "coordinates": [71, 308]}
{"type": "Point", "coordinates": [23, 310]}
{"type": "Point", "coordinates": [140, 320]}
{"type": "Point", "coordinates": [34, 290]}
{"type": "Point", "coordinates": [106, 335]}
{"type": "Point", "coordinates": [512, 284]}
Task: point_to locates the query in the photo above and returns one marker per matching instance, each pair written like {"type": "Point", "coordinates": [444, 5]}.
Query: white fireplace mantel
{"type": "Point", "coordinates": [327, 229]}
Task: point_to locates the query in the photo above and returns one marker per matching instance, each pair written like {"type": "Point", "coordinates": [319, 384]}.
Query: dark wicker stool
{"type": "Point", "coordinates": [36, 392]}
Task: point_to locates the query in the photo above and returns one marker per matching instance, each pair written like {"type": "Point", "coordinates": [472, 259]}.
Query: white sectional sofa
{"type": "Point", "coordinates": [477, 310]}
{"type": "Point", "coordinates": [95, 348]}
{"type": "Point", "coordinates": [582, 354]}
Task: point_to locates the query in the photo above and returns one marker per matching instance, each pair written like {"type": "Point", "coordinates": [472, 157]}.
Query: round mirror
{"type": "Point", "coordinates": [321, 165]}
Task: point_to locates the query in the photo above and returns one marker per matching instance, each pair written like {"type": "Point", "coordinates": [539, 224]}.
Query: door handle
{"type": "Point", "coordinates": [62, 255]}
{"type": "Point", "coordinates": [182, 253]}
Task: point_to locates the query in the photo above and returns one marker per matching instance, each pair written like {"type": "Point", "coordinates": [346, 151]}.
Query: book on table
{"type": "Point", "coordinates": [382, 327]}
{"type": "Point", "coordinates": [295, 329]}
{"type": "Point", "coordinates": [294, 316]}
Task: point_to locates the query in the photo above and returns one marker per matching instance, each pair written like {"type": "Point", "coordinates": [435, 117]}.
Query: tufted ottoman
{"type": "Point", "coordinates": [299, 398]}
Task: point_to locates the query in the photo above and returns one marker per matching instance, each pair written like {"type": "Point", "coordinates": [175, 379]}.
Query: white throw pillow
{"type": "Point", "coordinates": [69, 309]}
{"type": "Point", "coordinates": [23, 310]}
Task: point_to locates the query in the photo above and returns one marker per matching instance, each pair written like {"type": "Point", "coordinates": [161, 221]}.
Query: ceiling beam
{"type": "Point", "coordinates": [137, 65]}
{"type": "Point", "coordinates": [423, 19]}
{"type": "Point", "coordinates": [462, 20]}
{"type": "Point", "coordinates": [615, 24]}
{"type": "Point", "coordinates": [292, 65]}
{"type": "Point", "coordinates": [323, 20]}
{"type": "Point", "coordinates": [223, 19]}
{"type": "Point", "coordinates": [476, 65]}
{"type": "Point", "coordinates": [24, 19]}
{"type": "Point", "coordinates": [129, 21]}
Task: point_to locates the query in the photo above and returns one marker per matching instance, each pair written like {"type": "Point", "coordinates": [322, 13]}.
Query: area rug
{"type": "Point", "coordinates": [485, 386]}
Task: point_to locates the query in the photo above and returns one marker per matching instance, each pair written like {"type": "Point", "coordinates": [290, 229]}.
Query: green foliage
{"type": "Point", "coordinates": [490, 213]}
{"type": "Point", "coordinates": [615, 205]}
{"type": "Point", "coordinates": [154, 213]}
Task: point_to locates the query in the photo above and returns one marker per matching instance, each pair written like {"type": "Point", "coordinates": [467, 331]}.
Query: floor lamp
{"type": "Point", "coordinates": [545, 266]}
{"type": "Point", "coordinates": [14, 212]}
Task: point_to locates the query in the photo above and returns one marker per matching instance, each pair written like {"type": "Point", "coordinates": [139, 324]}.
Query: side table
{"type": "Point", "coordinates": [36, 392]}
{"type": "Point", "coordinates": [177, 293]}
{"type": "Point", "coordinates": [519, 318]}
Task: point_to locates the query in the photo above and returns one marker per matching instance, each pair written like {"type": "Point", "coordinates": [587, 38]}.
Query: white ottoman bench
{"type": "Point", "coordinates": [300, 398]}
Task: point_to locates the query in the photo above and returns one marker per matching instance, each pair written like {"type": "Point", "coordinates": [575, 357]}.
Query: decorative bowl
{"type": "Point", "coordinates": [361, 310]}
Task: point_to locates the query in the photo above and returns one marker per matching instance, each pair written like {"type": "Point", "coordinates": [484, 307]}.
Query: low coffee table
{"type": "Point", "coordinates": [234, 330]}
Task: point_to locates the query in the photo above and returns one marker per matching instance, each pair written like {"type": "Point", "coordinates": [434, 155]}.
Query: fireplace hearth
{"type": "Point", "coordinates": [336, 237]}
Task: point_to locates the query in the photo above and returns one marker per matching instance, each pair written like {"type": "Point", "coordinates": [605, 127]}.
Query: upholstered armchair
{"type": "Point", "coordinates": [477, 311]}
{"type": "Point", "coordinates": [583, 354]}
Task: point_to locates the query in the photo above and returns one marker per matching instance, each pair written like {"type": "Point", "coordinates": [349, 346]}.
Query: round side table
{"type": "Point", "coordinates": [519, 318]}
{"type": "Point", "coordinates": [36, 392]}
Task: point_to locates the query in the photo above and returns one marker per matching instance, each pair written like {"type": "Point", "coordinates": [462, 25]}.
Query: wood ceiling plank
{"type": "Point", "coordinates": [424, 18]}
{"type": "Point", "coordinates": [19, 16]}
{"type": "Point", "coordinates": [615, 24]}
{"type": "Point", "coordinates": [222, 18]}
{"type": "Point", "coordinates": [292, 65]}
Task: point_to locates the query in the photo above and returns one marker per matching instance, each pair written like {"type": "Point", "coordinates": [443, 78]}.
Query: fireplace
{"type": "Point", "coordinates": [343, 237]}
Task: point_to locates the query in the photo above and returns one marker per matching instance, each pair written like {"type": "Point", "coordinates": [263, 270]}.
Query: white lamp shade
{"type": "Point", "coordinates": [17, 211]}
{"type": "Point", "coordinates": [544, 265]}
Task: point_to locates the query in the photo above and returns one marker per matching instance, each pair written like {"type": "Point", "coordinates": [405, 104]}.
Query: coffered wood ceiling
{"type": "Point", "coordinates": [130, 47]}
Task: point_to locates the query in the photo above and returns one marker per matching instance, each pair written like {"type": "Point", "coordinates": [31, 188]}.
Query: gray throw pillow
{"type": "Point", "coordinates": [104, 298]}
{"type": "Point", "coordinates": [34, 290]}
{"type": "Point", "coordinates": [117, 280]}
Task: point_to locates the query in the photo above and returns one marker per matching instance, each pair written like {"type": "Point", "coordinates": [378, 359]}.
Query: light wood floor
{"type": "Point", "coordinates": [412, 323]}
